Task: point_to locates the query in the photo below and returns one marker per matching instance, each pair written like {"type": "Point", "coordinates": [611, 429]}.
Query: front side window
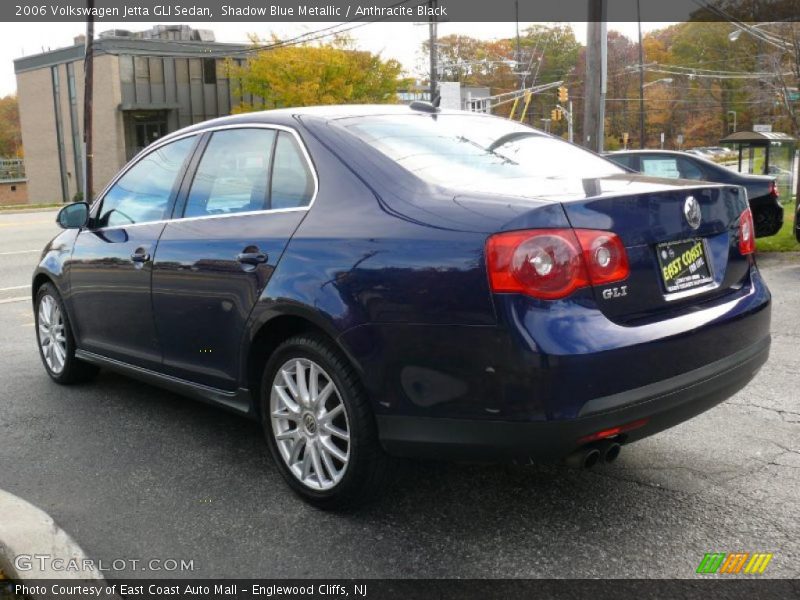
{"type": "Point", "coordinates": [143, 193]}
{"type": "Point", "coordinates": [233, 175]}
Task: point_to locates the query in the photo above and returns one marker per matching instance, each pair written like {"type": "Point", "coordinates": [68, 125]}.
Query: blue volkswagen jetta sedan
{"type": "Point", "coordinates": [375, 281]}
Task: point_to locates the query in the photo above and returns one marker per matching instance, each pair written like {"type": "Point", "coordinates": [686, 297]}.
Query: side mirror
{"type": "Point", "coordinates": [73, 216]}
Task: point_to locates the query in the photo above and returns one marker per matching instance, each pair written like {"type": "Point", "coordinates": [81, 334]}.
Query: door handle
{"type": "Point", "coordinates": [140, 256]}
{"type": "Point", "coordinates": [252, 258]}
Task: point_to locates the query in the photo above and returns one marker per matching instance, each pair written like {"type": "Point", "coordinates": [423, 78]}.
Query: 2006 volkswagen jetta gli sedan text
{"type": "Point", "coordinates": [378, 281]}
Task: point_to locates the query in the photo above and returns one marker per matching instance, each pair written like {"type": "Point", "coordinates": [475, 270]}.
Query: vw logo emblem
{"type": "Point", "coordinates": [691, 210]}
{"type": "Point", "coordinates": [310, 422]}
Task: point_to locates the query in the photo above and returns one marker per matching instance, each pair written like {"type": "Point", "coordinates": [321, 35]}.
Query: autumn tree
{"type": "Point", "coordinates": [10, 136]}
{"type": "Point", "coordinates": [472, 61]}
{"type": "Point", "coordinates": [306, 75]}
{"type": "Point", "coordinates": [548, 53]}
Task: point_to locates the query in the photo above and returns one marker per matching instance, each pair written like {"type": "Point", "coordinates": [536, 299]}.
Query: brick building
{"type": "Point", "coordinates": [146, 84]}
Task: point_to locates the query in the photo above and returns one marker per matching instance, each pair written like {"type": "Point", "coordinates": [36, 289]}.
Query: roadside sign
{"type": "Point", "coordinates": [762, 128]}
{"type": "Point", "coordinates": [680, 140]}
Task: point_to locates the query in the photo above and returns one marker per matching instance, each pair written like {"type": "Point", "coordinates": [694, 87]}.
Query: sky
{"type": "Point", "coordinates": [401, 41]}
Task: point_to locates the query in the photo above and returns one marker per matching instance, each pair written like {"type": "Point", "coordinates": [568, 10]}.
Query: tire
{"type": "Point", "coordinates": [57, 351]}
{"type": "Point", "coordinates": [768, 222]}
{"type": "Point", "coordinates": [323, 468]}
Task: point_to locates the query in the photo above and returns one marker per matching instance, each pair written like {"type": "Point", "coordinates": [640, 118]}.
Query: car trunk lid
{"type": "Point", "coordinates": [681, 243]}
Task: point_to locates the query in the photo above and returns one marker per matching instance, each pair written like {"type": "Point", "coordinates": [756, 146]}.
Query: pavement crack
{"type": "Point", "coordinates": [783, 413]}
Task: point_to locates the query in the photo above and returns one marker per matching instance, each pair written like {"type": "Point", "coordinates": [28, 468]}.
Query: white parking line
{"type": "Point", "coordinates": [15, 287]}
{"type": "Point", "coordinates": [19, 252]}
{"type": "Point", "coordinates": [17, 299]}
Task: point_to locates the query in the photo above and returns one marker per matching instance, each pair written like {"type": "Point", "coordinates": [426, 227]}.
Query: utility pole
{"type": "Point", "coordinates": [570, 135]}
{"type": "Point", "coordinates": [433, 35]}
{"type": "Point", "coordinates": [596, 59]}
{"type": "Point", "coordinates": [519, 48]}
{"type": "Point", "coordinates": [88, 88]}
{"type": "Point", "coordinates": [641, 76]}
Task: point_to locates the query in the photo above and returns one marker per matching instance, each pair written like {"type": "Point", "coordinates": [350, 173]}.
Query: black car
{"type": "Point", "coordinates": [374, 281]}
{"type": "Point", "coordinates": [762, 190]}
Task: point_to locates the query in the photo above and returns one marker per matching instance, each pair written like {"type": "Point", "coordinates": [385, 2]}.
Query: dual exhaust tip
{"type": "Point", "coordinates": [588, 456]}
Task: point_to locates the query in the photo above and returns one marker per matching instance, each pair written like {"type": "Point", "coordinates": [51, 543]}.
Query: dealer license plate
{"type": "Point", "coordinates": [684, 264]}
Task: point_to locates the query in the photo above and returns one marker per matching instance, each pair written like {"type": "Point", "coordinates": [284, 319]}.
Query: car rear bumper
{"type": "Point", "coordinates": [662, 404]}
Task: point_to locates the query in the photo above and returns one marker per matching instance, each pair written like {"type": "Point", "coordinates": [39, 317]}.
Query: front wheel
{"type": "Point", "coordinates": [319, 425]}
{"type": "Point", "coordinates": [56, 341]}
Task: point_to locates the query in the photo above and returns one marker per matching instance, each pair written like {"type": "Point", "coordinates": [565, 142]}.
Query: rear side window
{"type": "Point", "coordinates": [233, 175]}
{"type": "Point", "coordinates": [292, 184]}
{"type": "Point", "coordinates": [143, 193]}
{"type": "Point", "coordinates": [689, 170]}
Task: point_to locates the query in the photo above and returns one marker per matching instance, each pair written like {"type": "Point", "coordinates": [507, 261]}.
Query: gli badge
{"type": "Point", "coordinates": [615, 292]}
{"type": "Point", "coordinates": [691, 210]}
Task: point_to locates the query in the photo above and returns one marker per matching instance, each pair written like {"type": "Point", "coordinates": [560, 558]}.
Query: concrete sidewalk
{"type": "Point", "coordinates": [33, 546]}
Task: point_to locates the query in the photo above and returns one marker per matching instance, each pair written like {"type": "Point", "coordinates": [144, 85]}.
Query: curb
{"type": "Point", "coordinates": [27, 531]}
{"type": "Point", "coordinates": [771, 259]}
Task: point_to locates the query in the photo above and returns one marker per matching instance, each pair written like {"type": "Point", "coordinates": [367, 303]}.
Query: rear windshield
{"type": "Point", "coordinates": [473, 150]}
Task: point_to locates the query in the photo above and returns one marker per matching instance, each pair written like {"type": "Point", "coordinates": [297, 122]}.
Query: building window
{"type": "Point", "coordinates": [210, 70]}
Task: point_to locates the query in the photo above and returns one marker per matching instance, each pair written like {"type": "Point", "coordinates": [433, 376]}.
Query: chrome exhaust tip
{"type": "Point", "coordinates": [609, 451]}
{"type": "Point", "coordinates": [583, 458]}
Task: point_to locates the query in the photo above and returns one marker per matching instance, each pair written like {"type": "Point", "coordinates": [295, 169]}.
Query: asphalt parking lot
{"type": "Point", "coordinates": [132, 472]}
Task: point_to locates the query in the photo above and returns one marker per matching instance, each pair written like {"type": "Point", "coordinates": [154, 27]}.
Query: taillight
{"type": "Point", "coordinates": [553, 263]}
{"type": "Point", "coordinates": [747, 238]}
{"type": "Point", "coordinates": [773, 189]}
{"type": "Point", "coordinates": [604, 255]}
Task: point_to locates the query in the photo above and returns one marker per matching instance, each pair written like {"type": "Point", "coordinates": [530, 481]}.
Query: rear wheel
{"type": "Point", "coordinates": [319, 426]}
{"type": "Point", "coordinates": [56, 341]}
{"type": "Point", "coordinates": [768, 221]}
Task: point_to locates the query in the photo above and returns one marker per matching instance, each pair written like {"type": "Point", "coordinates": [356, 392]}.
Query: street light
{"type": "Point", "coordinates": [760, 34]}
{"type": "Point", "coordinates": [662, 80]}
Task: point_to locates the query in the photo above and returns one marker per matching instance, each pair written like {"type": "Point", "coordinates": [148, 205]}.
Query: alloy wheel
{"type": "Point", "coordinates": [52, 337]}
{"type": "Point", "coordinates": [310, 424]}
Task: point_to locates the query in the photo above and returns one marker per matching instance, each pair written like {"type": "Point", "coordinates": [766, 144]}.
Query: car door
{"type": "Point", "coordinates": [248, 193]}
{"type": "Point", "coordinates": [111, 264]}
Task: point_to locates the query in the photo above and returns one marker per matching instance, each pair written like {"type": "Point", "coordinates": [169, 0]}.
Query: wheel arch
{"type": "Point", "coordinates": [269, 333]}
{"type": "Point", "coordinates": [39, 279]}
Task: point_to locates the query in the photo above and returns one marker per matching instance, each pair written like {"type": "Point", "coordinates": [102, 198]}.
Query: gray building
{"type": "Point", "coordinates": [147, 84]}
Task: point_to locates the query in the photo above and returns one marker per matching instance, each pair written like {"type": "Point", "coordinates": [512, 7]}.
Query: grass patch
{"type": "Point", "coordinates": [30, 206]}
{"type": "Point", "coordinates": [784, 240]}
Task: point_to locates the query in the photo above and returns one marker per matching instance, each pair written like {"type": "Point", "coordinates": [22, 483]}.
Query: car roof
{"type": "Point", "coordinates": [649, 151]}
{"type": "Point", "coordinates": [695, 157]}
{"type": "Point", "coordinates": [327, 113]}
